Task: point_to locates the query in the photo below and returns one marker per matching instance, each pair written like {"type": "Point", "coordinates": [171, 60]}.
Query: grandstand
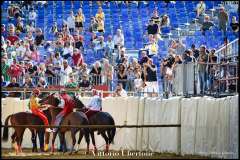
{"type": "Point", "coordinates": [132, 19]}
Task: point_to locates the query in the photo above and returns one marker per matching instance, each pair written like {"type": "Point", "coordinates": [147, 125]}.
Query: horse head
{"type": "Point", "coordinates": [51, 99]}
{"type": "Point", "coordinates": [78, 103]}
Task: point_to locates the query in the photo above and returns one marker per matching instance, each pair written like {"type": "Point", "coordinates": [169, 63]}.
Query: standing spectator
{"type": "Point", "coordinates": [223, 20]}
{"type": "Point", "coordinates": [179, 47]}
{"type": "Point", "coordinates": [19, 26]}
{"type": "Point", "coordinates": [32, 17]}
{"type": "Point", "coordinates": [138, 83]}
{"type": "Point", "coordinates": [28, 83]}
{"type": "Point", "coordinates": [39, 39]}
{"type": "Point", "coordinates": [14, 84]}
{"type": "Point", "coordinates": [118, 39]}
{"type": "Point", "coordinates": [54, 29]}
{"type": "Point", "coordinates": [120, 92]}
{"type": "Point", "coordinates": [150, 74]}
{"type": "Point", "coordinates": [152, 46]}
{"type": "Point", "coordinates": [71, 84]}
{"type": "Point", "coordinates": [195, 51]}
{"type": "Point", "coordinates": [96, 73]}
{"type": "Point", "coordinates": [100, 17]}
{"type": "Point", "coordinates": [109, 48]}
{"type": "Point", "coordinates": [107, 73]}
{"type": "Point", "coordinates": [122, 75]}
{"type": "Point", "coordinates": [77, 58]}
{"type": "Point", "coordinates": [235, 26]}
{"type": "Point", "coordinates": [93, 25]}
{"type": "Point", "coordinates": [57, 59]}
{"type": "Point", "coordinates": [79, 20]}
{"type": "Point", "coordinates": [207, 24]}
{"type": "Point", "coordinates": [20, 50]}
{"type": "Point", "coordinates": [29, 37]}
{"type": "Point", "coordinates": [130, 78]}
{"type": "Point", "coordinates": [155, 17]}
{"type": "Point", "coordinates": [188, 57]}
{"type": "Point", "coordinates": [200, 9]}
{"type": "Point", "coordinates": [152, 28]}
{"type": "Point", "coordinates": [144, 58]}
{"type": "Point", "coordinates": [202, 69]}
{"type": "Point", "coordinates": [5, 68]}
{"type": "Point", "coordinates": [65, 71]}
{"type": "Point", "coordinates": [71, 22]}
{"type": "Point", "coordinates": [83, 70]}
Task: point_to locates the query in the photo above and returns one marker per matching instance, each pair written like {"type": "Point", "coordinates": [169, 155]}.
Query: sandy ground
{"type": "Point", "coordinates": [27, 154]}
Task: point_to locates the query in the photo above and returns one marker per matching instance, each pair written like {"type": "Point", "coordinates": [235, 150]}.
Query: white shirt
{"type": "Point", "coordinates": [71, 21]}
{"type": "Point", "coordinates": [110, 44]}
{"type": "Point", "coordinates": [65, 74]}
{"type": "Point", "coordinates": [95, 103]}
{"type": "Point", "coordinates": [138, 83]}
{"type": "Point", "coordinates": [68, 50]}
{"type": "Point", "coordinates": [123, 93]}
{"type": "Point", "coordinates": [20, 51]}
{"type": "Point", "coordinates": [118, 39]}
{"type": "Point", "coordinates": [32, 15]}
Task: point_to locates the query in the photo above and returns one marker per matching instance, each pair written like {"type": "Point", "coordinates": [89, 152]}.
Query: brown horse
{"type": "Point", "coordinates": [100, 118]}
{"type": "Point", "coordinates": [25, 118]}
{"type": "Point", "coordinates": [74, 118]}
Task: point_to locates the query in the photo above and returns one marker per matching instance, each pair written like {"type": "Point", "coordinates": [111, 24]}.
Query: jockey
{"type": "Point", "coordinates": [35, 108]}
{"type": "Point", "coordinates": [95, 104]}
{"type": "Point", "coordinates": [67, 103]}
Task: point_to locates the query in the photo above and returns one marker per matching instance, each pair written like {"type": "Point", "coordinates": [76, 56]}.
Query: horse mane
{"type": "Point", "coordinates": [78, 102]}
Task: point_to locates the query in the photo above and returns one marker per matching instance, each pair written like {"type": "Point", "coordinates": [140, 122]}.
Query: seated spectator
{"type": "Point", "coordinates": [235, 26]}
{"type": "Point", "coordinates": [71, 22]}
{"type": "Point", "coordinates": [96, 73]}
{"type": "Point", "coordinates": [54, 29]}
{"type": "Point", "coordinates": [83, 70]}
{"type": "Point", "coordinates": [118, 39]}
{"type": "Point", "coordinates": [84, 83]}
{"type": "Point", "coordinates": [77, 58]}
{"type": "Point", "coordinates": [68, 50]}
{"type": "Point", "coordinates": [14, 70]}
{"type": "Point", "coordinates": [42, 83]}
{"type": "Point", "coordinates": [35, 56]}
{"type": "Point", "coordinates": [20, 50]}
{"type": "Point", "coordinates": [41, 70]}
{"type": "Point", "coordinates": [122, 75]}
{"type": "Point", "coordinates": [19, 26]}
{"type": "Point", "coordinates": [152, 46]}
{"type": "Point", "coordinates": [3, 84]}
{"type": "Point", "coordinates": [28, 83]}
{"type": "Point", "coordinates": [14, 84]}
{"type": "Point", "coordinates": [79, 20]}
{"type": "Point", "coordinates": [120, 92]}
{"type": "Point", "coordinates": [152, 28]}
{"type": "Point", "coordinates": [99, 44]}
{"type": "Point", "coordinates": [71, 84]}
{"type": "Point", "coordinates": [32, 69]}
{"type": "Point", "coordinates": [78, 41]}
{"type": "Point", "coordinates": [195, 51]}
{"type": "Point", "coordinates": [32, 17]}
{"type": "Point", "coordinates": [165, 21]}
{"type": "Point", "coordinates": [30, 28]}
{"type": "Point", "coordinates": [5, 69]}
{"type": "Point", "coordinates": [12, 37]}
{"type": "Point", "coordinates": [121, 56]}
{"type": "Point", "coordinates": [39, 39]}
{"type": "Point", "coordinates": [10, 49]}
{"type": "Point", "coordinates": [207, 24]}
{"type": "Point", "coordinates": [29, 37]}
{"type": "Point", "coordinates": [179, 47]}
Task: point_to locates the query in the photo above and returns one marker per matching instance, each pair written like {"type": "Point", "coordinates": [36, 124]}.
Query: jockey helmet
{"type": "Point", "coordinates": [36, 91]}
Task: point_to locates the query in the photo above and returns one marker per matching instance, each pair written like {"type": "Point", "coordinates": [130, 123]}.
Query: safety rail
{"type": "Point", "coordinates": [96, 126]}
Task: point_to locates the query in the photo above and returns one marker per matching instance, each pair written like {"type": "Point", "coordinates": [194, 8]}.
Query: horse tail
{"type": "Point", "coordinates": [112, 132]}
{"type": "Point", "coordinates": [5, 130]}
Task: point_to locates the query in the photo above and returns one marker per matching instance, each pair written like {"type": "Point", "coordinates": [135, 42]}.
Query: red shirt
{"type": "Point", "coordinates": [76, 58]}
{"type": "Point", "coordinates": [69, 103]}
{"type": "Point", "coordinates": [12, 39]}
{"type": "Point", "coordinates": [15, 70]}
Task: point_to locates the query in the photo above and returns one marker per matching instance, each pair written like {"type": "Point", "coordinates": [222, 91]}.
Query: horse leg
{"type": "Point", "coordinates": [93, 141]}
{"type": "Point", "coordinates": [86, 135]}
{"type": "Point", "coordinates": [20, 140]}
{"type": "Point", "coordinates": [73, 132]}
{"type": "Point", "coordinates": [53, 140]}
{"type": "Point", "coordinates": [13, 137]}
{"type": "Point", "coordinates": [106, 140]}
{"type": "Point", "coordinates": [34, 141]}
{"type": "Point", "coordinates": [79, 140]}
{"type": "Point", "coordinates": [40, 134]}
{"type": "Point", "coordinates": [62, 139]}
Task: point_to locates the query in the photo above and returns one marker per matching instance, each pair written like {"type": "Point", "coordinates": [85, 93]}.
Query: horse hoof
{"type": "Point", "coordinates": [70, 153]}
{"type": "Point", "coordinates": [87, 152]}
{"type": "Point", "coordinates": [76, 151]}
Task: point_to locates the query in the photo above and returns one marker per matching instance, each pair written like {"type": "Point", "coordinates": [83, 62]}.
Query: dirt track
{"type": "Point", "coordinates": [9, 154]}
